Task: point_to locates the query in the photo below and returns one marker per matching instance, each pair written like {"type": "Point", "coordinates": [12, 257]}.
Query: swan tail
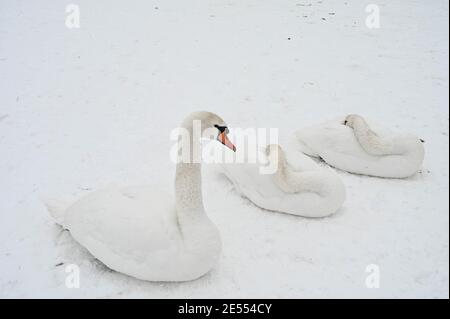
{"type": "Point", "coordinates": [57, 209]}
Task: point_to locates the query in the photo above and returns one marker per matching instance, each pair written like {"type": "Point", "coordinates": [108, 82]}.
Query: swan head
{"type": "Point", "coordinates": [351, 119]}
{"type": "Point", "coordinates": [273, 149]}
{"type": "Point", "coordinates": [212, 126]}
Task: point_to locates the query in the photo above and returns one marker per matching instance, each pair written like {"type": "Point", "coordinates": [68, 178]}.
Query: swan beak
{"type": "Point", "coordinates": [223, 138]}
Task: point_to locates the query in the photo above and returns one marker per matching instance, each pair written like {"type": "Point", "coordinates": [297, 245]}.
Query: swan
{"type": "Point", "coordinates": [145, 233]}
{"type": "Point", "coordinates": [296, 185]}
{"type": "Point", "coordinates": [354, 146]}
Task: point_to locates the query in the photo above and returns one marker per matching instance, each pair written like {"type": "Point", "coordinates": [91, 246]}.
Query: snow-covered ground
{"type": "Point", "coordinates": [85, 108]}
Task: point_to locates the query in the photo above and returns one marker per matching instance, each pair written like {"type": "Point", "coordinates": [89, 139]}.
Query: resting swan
{"type": "Point", "coordinates": [353, 146]}
{"type": "Point", "coordinates": [143, 232]}
{"type": "Point", "coordinates": [296, 186]}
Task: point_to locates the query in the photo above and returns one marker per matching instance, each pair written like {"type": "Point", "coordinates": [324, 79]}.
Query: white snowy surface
{"type": "Point", "coordinates": [81, 109]}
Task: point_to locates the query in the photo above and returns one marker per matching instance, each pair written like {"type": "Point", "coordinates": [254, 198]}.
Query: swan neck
{"type": "Point", "coordinates": [295, 182]}
{"type": "Point", "coordinates": [188, 179]}
{"type": "Point", "coordinates": [370, 141]}
{"type": "Point", "coordinates": [188, 187]}
{"type": "Point", "coordinates": [298, 182]}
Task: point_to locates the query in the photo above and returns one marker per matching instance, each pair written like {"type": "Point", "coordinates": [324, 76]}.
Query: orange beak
{"type": "Point", "coordinates": [223, 138]}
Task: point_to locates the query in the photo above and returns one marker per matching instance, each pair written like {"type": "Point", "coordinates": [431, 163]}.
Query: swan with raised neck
{"type": "Point", "coordinates": [188, 176]}
{"type": "Point", "coordinates": [146, 233]}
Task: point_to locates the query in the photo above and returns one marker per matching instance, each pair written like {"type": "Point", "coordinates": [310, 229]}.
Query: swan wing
{"type": "Point", "coordinates": [129, 224]}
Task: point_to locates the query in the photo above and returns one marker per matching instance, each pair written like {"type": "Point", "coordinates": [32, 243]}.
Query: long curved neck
{"type": "Point", "coordinates": [188, 187]}
{"type": "Point", "coordinates": [188, 181]}
{"type": "Point", "coordinates": [199, 235]}
{"type": "Point", "coordinates": [370, 141]}
{"type": "Point", "coordinates": [294, 182]}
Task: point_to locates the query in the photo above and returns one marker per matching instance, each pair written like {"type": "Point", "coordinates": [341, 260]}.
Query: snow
{"type": "Point", "coordinates": [81, 109]}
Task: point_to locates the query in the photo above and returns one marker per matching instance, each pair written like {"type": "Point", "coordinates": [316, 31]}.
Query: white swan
{"type": "Point", "coordinates": [145, 233]}
{"type": "Point", "coordinates": [297, 186]}
{"type": "Point", "coordinates": [354, 146]}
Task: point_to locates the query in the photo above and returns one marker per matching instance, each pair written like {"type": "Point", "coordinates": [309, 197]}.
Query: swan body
{"type": "Point", "coordinates": [298, 186]}
{"type": "Point", "coordinates": [352, 145]}
{"type": "Point", "coordinates": [134, 231]}
{"type": "Point", "coordinates": [146, 233]}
